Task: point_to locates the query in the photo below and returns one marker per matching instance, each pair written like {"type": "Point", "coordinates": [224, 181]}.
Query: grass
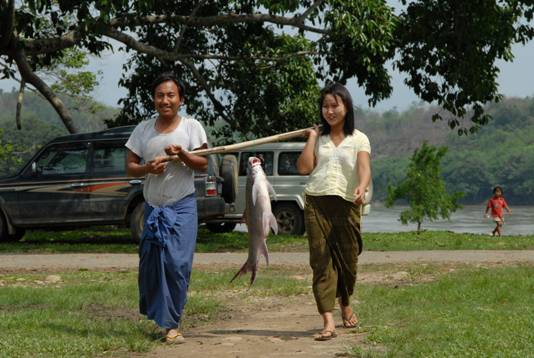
{"type": "Point", "coordinates": [117, 240]}
{"type": "Point", "coordinates": [469, 313]}
{"type": "Point", "coordinates": [93, 313]}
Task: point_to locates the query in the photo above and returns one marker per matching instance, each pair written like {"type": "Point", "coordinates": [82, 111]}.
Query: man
{"type": "Point", "coordinates": [170, 231]}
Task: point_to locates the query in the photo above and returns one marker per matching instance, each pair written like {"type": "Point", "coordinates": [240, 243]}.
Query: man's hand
{"type": "Point", "coordinates": [156, 166]}
{"type": "Point", "coordinates": [173, 149]}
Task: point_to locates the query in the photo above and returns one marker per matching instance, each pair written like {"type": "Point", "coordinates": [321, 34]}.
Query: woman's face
{"type": "Point", "coordinates": [334, 111]}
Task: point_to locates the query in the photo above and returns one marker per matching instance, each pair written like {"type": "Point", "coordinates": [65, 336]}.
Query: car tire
{"type": "Point", "coordinates": [229, 174]}
{"type": "Point", "coordinates": [220, 227]}
{"type": "Point", "coordinates": [137, 221]}
{"type": "Point", "coordinates": [290, 219]}
{"type": "Point", "coordinates": [5, 236]}
{"type": "Point", "coordinates": [3, 229]}
{"type": "Point", "coordinates": [19, 234]}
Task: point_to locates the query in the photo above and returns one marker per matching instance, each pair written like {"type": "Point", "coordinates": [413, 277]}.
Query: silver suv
{"type": "Point", "coordinates": [279, 164]}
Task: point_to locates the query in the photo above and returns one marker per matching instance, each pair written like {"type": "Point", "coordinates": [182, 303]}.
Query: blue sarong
{"type": "Point", "coordinates": [165, 260]}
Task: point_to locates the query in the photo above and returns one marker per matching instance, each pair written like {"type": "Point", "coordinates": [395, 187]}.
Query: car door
{"type": "Point", "coordinates": [109, 186]}
{"type": "Point", "coordinates": [288, 182]}
{"type": "Point", "coordinates": [51, 190]}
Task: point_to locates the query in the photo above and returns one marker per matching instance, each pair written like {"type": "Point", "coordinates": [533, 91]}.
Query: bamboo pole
{"type": "Point", "coordinates": [250, 143]}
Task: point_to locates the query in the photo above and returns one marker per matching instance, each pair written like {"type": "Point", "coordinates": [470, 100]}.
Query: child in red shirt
{"type": "Point", "coordinates": [497, 204]}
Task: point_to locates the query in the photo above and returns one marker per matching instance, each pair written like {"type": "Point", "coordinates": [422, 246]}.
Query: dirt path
{"type": "Point", "coordinates": [58, 262]}
{"type": "Point", "coordinates": [276, 329]}
{"type": "Point", "coordinates": [266, 326]}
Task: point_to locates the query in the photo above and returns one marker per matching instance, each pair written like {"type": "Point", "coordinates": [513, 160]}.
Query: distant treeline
{"type": "Point", "coordinates": [501, 152]}
{"type": "Point", "coordinates": [40, 123]}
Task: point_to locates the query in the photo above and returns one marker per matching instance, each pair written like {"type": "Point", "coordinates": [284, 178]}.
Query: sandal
{"type": "Point", "coordinates": [325, 335]}
{"type": "Point", "coordinates": [177, 338]}
{"type": "Point", "coordinates": [347, 324]}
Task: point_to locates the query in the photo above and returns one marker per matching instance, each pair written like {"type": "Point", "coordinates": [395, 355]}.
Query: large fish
{"type": "Point", "coordinates": [258, 217]}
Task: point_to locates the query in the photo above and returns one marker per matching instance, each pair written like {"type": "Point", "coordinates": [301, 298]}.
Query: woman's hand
{"type": "Point", "coordinates": [359, 193]}
{"type": "Point", "coordinates": [312, 132]}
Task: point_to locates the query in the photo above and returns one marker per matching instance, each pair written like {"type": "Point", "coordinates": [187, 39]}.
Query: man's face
{"type": "Point", "coordinates": [167, 99]}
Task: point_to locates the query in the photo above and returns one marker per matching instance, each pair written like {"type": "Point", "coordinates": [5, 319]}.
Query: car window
{"type": "Point", "coordinates": [287, 163]}
{"type": "Point", "coordinates": [109, 160]}
{"type": "Point", "coordinates": [267, 164]}
{"type": "Point", "coordinates": [62, 160]}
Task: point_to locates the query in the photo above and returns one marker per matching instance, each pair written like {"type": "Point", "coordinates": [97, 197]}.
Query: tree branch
{"type": "Point", "coordinates": [175, 56]}
{"type": "Point", "coordinates": [52, 44]}
{"type": "Point", "coordinates": [7, 14]}
{"type": "Point", "coordinates": [20, 99]}
{"type": "Point", "coordinates": [302, 17]}
{"type": "Point", "coordinates": [132, 20]}
{"type": "Point", "coordinates": [29, 76]}
{"type": "Point", "coordinates": [182, 30]}
{"type": "Point", "coordinates": [200, 79]}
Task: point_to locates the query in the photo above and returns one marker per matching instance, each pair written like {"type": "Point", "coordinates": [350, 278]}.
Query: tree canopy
{"type": "Point", "coordinates": [257, 65]}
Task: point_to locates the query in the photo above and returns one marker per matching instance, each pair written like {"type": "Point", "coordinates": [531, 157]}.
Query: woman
{"type": "Point", "coordinates": [338, 158]}
{"type": "Point", "coordinates": [170, 232]}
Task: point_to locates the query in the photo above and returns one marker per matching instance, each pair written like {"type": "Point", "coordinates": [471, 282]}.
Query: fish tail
{"type": "Point", "coordinates": [253, 276]}
{"type": "Point", "coordinates": [247, 267]}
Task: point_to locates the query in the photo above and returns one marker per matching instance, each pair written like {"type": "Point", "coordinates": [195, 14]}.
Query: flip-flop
{"type": "Point", "coordinates": [178, 338]}
{"type": "Point", "coordinates": [347, 324]}
{"type": "Point", "coordinates": [325, 335]}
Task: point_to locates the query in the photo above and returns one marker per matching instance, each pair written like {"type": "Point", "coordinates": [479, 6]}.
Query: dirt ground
{"type": "Point", "coordinates": [273, 326]}
{"type": "Point", "coordinates": [59, 262]}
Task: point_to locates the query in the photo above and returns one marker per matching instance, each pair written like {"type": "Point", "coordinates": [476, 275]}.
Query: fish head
{"type": "Point", "coordinates": [254, 166]}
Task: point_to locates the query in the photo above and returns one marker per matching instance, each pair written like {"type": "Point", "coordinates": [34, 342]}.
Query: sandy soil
{"type": "Point", "coordinates": [62, 262]}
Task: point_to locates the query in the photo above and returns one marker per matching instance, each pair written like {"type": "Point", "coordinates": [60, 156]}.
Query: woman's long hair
{"type": "Point", "coordinates": [337, 90]}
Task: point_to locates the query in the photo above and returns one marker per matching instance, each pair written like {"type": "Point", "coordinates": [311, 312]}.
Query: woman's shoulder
{"type": "Point", "coordinates": [359, 136]}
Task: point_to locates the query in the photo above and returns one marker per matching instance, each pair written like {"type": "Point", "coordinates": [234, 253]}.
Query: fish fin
{"type": "Point", "coordinates": [272, 223]}
{"type": "Point", "coordinates": [272, 193]}
{"type": "Point", "coordinates": [268, 221]}
{"type": "Point", "coordinates": [264, 251]}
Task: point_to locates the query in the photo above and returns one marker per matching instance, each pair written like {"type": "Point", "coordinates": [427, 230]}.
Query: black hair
{"type": "Point", "coordinates": [337, 90]}
{"type": "Point", "coordinates": [498, 187]}
{"type": "Point", "coordinates": [168, 76]}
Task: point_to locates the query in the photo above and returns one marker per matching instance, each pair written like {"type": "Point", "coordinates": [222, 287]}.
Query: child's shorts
{"type": "Point", "coordinates": [498, 220]}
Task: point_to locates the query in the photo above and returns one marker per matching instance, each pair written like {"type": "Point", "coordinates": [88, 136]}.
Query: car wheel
{"type": "Point", "coordinates": [19, 234]}
{"type": "Point", "coordinates": [3, 229]}
{"type": "Point", "coordinates": [290, 219]}
{"type": "Point", "coordinates": [219, 227]}
{"type": "Point", "coordinates": [229, 174]}
{"type": "Point", "coordinates": [137, 221]}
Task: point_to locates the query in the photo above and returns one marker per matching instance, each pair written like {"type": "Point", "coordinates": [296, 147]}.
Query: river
{"type": "Point", "coordinates": [469, 219]}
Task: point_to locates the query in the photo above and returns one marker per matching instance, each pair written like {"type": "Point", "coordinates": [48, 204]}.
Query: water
{"type": "Point", "coordinates": [469, 219]}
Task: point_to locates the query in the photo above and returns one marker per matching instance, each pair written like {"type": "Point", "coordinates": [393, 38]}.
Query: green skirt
{"type": "Point", "coordinates": [333, 229]}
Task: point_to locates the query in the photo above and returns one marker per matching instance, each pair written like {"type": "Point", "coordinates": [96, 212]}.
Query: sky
{"type": "Point", "coordinates": [516, 79]}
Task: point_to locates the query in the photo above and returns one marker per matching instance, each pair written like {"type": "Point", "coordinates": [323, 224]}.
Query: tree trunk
{"type": "Point", "coordinates": [418, 227]}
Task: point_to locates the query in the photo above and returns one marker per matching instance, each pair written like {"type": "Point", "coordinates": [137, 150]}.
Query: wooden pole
{"type": "Point", "coordinates": [233, 147]}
